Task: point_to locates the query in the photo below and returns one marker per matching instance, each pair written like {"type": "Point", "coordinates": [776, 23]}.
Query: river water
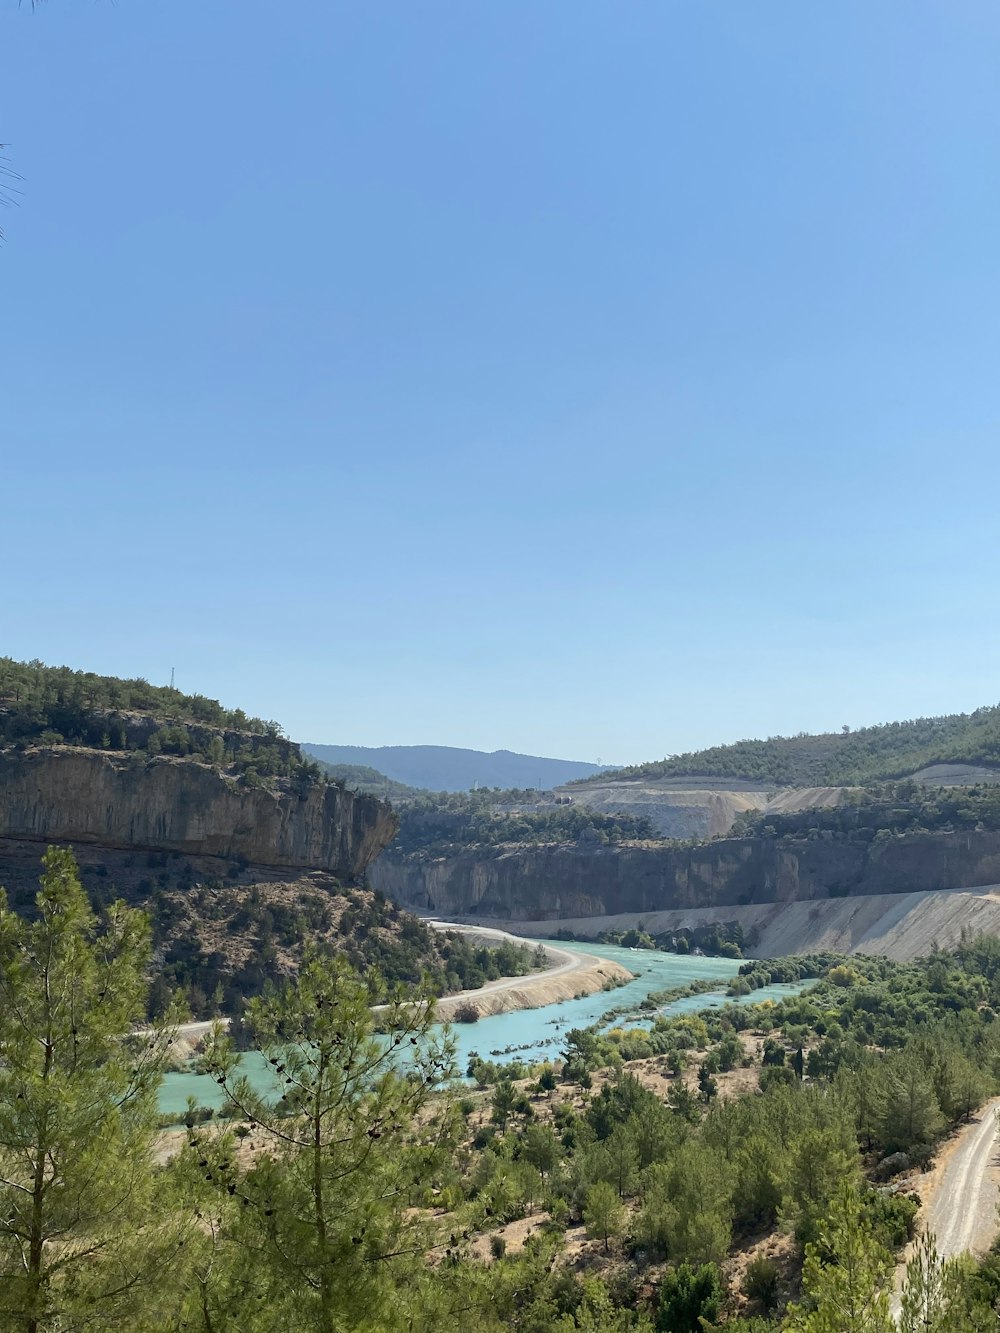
{"type": "Point", "coordinates": [534, 1034]}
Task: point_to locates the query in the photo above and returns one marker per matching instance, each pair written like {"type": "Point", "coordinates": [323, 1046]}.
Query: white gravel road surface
{"type": "Point", "coordinates": [562, 961]}
{"type": "Point", "coordinates": [960, 1202]}
{"type": "Point", "coordinates": [962, 1213]}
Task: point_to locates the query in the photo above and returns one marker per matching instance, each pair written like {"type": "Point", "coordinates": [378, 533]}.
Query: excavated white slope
{"type": "Point", "coordinates": [898, 925]}
{"type": "Point", "coordinates": [692, 810]}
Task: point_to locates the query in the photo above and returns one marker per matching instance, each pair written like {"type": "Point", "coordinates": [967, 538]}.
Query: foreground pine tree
{"type": "Point", "coordinates": [937, 1295]}
{"type": "Point", "coordinates": [316, 1228]}
{"type": "Point", "coordinates": [847, 1275]}
{"type": "Point", "coordinates": [79, 1241]}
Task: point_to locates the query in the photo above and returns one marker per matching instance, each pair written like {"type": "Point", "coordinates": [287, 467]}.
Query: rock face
{"type": "Point", "coordinates": [546, 883]}
{"type": "Point", "coordinates": [66, 794]}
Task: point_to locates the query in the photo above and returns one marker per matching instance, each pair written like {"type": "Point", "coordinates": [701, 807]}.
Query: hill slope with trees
{"type": "Point", "coordinates": [745, 1169]}
{"type": "Point", "coordinates": [846, 758]}
{"type": "Point", "coordinates": [44, 705]}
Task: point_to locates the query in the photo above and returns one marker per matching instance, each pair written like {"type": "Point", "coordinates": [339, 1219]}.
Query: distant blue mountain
{"type": "Point", "coordinates": [442, 768]}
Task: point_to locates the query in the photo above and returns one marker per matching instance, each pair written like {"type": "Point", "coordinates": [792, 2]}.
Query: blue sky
{"type": "Point", "coordinates": [580, 378]}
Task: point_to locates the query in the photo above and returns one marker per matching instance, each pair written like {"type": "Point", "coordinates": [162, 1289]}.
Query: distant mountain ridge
{"type": "Point", "coordinates": [446, 768]}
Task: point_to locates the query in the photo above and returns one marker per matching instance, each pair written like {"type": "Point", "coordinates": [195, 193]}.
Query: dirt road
{"type": "Point", "coordinates": [962, 1210]}
{"type": "Point", "coordinates": [564, 961]}
{"type": "Point", "coordinates": [960, 1198]}
{"type": "Point", "coordinates": [199, 1029]}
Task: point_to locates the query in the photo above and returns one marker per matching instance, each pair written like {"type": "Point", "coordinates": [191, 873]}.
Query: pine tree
{"type": "Point", "coordinates": [78, 1216]}
{"type": "Point", "coordinates": [818, 1164]}
{"type": "Point", "coordinates": [936, 1296]}
{"type": "Point", "coordinates": [847, 1276]}
{"type": "Point", "coordinates": [603, 1212]}
{"type": "Point", "coordinates": [319, 1234]}
{"type": "Point", "coordinates": [504, 1098]}
{"type": "Point", "coordinates": [912, 1115]}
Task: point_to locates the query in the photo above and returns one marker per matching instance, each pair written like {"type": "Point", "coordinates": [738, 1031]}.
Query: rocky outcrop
{"type": "Point", "coordinates": [547, 883]}
{"type": "Point", "coordinates": [68, 794]}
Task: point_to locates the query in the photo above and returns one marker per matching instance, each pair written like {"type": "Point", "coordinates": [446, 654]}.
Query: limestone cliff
{"type": "Point", "coordinates": [69, 794]}
{"type": "Point", "coordinates": [546, 883]}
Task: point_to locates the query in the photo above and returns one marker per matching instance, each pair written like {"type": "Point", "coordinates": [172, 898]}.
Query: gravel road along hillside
{"type": "Point", "coordinates": [962, 1209]}
{"type": "Point", "coordinates": [960, 1198]}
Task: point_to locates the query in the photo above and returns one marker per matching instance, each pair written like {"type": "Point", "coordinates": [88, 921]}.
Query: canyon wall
{"type": "Point", "coordinates": [548, 883]}
{"type": "Point", "coordinates": [67, 794]}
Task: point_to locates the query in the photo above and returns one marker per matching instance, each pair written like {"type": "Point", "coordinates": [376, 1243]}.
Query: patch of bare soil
{"type": "Point", "coordinates": [696, 807]}
{"type": "Point", "coordinates": [513, 1235]}
{"type": "Point", "coordinates": [779, 1247]}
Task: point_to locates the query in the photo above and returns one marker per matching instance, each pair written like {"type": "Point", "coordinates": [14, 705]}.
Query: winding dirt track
{"type": "Point", "coordinates": [564, 961]}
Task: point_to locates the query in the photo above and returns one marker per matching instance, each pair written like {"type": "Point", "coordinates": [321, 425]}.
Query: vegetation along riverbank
{"type": "Point", "coordinates": [698, 1173]}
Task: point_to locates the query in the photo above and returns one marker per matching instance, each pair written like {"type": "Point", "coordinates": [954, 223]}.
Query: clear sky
{"type": "Point", "coordinates": [588, 379]}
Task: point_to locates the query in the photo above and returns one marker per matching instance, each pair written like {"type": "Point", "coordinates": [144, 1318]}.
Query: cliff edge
{"type": "Point", "coordinates": [72, 794]}
{"type": "Point", "coordinates": [546, 883]}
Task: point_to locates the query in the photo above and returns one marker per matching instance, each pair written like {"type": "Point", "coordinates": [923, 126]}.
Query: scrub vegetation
{"type": "Point", "coordinates": [436, 824]}
{"type": "Point", "coordinates": [845, 758]}
{"type": "Point", "coordinates": [219, 944]}
{"type": "Point", "coordinates": [43, 705]}
{"type": "Point", "coordinates": [751, 1168]}
{"type": "Point", "coordinates": [882, 811]}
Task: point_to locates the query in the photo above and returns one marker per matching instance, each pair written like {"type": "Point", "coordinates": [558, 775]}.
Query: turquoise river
{"type": "Point", "coordinates": [532, 1034]}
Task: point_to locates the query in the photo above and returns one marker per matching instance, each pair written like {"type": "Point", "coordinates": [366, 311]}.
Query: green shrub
{"type": "Point", "coordinates": [688, 1296]}
{"type": "Point", "coordinates": [760, 1282]}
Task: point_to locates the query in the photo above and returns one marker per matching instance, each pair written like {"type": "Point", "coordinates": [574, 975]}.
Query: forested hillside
{"type": "Point", "coordinates": [241, 858]}
{"type": "Point", "coordinates": [223, 932]}
{"type": "Point", "coordinates": [882, 810]}
{"type": "Point", "coordinates": [45, 705]}
{"type": "Point", "coordinates": [220, 945]}
{"type": "Point", "coordinates": [746, 1169]}
{"type": "Point", "coordinates": [848, 758]}
{"type": "Point", "coordinates": [362, 778]}
{"type": "Point", "coordinates": [439, 823]}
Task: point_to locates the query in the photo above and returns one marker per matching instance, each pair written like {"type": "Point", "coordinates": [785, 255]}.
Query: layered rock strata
{"type": "Point", "coordinates": [67, 794]}
{"type": "Point", "coordinates": [549, 883]}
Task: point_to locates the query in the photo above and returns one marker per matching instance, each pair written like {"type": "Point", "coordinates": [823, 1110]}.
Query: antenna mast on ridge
{"type": "Point", "coordinates": [171, 678]}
